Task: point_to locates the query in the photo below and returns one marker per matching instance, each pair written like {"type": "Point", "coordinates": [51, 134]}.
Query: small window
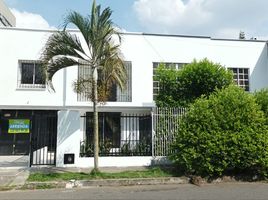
{"type": "Point", "coordinates": [241, 77]}
{"type": "Point", "coordinates": [31, 75]}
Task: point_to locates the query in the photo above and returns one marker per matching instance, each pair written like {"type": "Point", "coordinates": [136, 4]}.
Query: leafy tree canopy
{"type": "Point", "coordinates": [182, 87]}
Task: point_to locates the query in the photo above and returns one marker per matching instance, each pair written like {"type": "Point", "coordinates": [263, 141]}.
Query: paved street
{"type": "Point", "coordinates": [234, 191]}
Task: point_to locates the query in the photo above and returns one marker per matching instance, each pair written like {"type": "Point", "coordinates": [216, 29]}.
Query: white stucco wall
{"type": "Point", "coordinates": [115, 161]}
{"type": "Point", "coordinates": [70, 133]}
{"type": "Point", "coordinates": [23, 45]}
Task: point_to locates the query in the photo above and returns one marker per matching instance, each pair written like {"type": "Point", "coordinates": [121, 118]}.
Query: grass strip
{"type": "Point", "coordinates": [150, 173]}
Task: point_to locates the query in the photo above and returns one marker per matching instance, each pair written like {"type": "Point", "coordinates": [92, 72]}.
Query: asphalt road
{"type": "Point", "coordinates": [223, 191]}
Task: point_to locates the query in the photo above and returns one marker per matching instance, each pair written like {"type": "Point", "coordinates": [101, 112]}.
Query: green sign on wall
{"type": "Point", "coordinates": [18, 126]}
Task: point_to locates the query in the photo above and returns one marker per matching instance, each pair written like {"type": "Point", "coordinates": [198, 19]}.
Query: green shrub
{"type": "Point", "coordinates": [182, 87]}
{"type": "Point", "coordinates": [225, 132]}
{"type": "Point", "coordinates": [168, 82]}
{"type": "Point", "coordinates": [262, 99]}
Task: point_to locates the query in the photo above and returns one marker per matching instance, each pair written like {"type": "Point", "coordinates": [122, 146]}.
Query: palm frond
{"type": "Point", "coordinates": [113, 70]}
{"type": "Point", "coordinates": [82, 23]}
{"type": "Point", "coordinates": [57, 64]}
{"type": "Point", "coordinates": [83, 87]}
{"type": "Point", "coordinates": [61, 43]}
{"type": "Point", "coordinates": [61, 50]}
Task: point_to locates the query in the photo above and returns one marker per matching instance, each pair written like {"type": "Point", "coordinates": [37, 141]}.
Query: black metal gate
{"type": "Point", "coordinates": [119, 135]}
{"type": "Point", "coordinates": [44, 138]}
{"type": "Point", "coordinates": [13, 141]}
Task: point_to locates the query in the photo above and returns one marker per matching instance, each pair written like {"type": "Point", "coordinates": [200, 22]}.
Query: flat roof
{"type": "Point", "coordinates": [138, 33]}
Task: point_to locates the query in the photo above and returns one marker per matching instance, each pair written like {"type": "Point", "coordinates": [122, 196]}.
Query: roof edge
{"type": "Point", "coordinates": [135, 33]}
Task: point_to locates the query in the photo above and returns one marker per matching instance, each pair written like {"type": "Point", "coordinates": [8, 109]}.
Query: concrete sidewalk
{"type": "Point", "coordinates": [13, 177]}
{"type": "Point", "coordinates": [14, 170]}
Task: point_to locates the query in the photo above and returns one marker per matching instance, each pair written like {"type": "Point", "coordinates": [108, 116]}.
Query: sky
{"type": "Point", "coordinates": [215, 18]}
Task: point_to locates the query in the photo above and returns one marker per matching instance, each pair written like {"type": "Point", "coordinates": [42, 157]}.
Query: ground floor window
{"type": "Point", "coordinates": [109, 129]}
{"type": "Point", "coordinates": [119, 134]}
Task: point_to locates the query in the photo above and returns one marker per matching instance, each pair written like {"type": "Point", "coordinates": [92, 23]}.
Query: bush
{"type": "Point", "coordinates": [182, 87]}
{"type": "Point", "coordinates": [168, 81]}
{"type": "Point", "coordinates": [225, 132]}
{"type": "Point", "coordinates": [262, 99]}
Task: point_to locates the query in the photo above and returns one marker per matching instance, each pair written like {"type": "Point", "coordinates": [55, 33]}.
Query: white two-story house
{"type": "Point", "coordinates": [55, 128]}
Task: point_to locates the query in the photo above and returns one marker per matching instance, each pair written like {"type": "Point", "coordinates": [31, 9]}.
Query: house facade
{"type": "Point", "coordinates": [55, 128]}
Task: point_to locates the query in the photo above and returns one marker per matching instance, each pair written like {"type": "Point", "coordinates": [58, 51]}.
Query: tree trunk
{"type": "Point", "coordinates": [95, 120]}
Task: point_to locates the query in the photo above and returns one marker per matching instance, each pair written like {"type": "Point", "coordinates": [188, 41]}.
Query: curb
{"type": "Point", "coordinates": [105, 182]}
{"type": "Point", "coordinates": [41, 185]}
{"type": "Point", "coordinates": [130, 182]}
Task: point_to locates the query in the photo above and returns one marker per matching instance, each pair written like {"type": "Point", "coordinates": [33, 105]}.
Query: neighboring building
{"type": "Point", "coordinates": [56, 127]}
{"type": "Point", "coordinates": [6, 17]}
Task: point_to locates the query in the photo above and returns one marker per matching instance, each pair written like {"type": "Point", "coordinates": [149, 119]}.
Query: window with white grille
{"type": "Point", "coordinates": [169, 65]}
{"type": "Point", "coordinates": [241, 77]}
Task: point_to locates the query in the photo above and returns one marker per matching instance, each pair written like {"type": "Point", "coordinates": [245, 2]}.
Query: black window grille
{"type": "Point", "coordinates": [119, 135]}
{"type": "Point", "coordinates": [31, 75]}
{"type": "Point", "coordinates": [116, 95]}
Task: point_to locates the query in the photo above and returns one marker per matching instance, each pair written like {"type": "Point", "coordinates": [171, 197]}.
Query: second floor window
{"type": "Point", "coordinates": [169, 65]}
{"type": "Point", "coordinates": [116, 95]}
{"type": "Point", "coordinates": [241, 77]}
{"type": "Point", "coordinates": [31, 75]}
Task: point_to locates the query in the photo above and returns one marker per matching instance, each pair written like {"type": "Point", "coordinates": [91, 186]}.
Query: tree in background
{"type": "Point", "coordinates": [98, 52]}
{"type": "Point", "coordinates": [182, 87]}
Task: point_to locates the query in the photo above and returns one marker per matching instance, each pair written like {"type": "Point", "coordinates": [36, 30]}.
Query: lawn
{"type": "Point", "coordinates": [150, 173]}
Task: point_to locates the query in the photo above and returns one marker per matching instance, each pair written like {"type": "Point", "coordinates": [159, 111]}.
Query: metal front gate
{"type": "Point", "coordinates": [15, 141]}
{"type": "Point", "coordinates": [166, 123]}
{"type": "Point", "coordinates": [44, 138]}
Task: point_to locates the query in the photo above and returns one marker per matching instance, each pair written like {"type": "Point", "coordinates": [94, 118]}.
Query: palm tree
{"type": "Point", "coordinates": [98, 52]}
